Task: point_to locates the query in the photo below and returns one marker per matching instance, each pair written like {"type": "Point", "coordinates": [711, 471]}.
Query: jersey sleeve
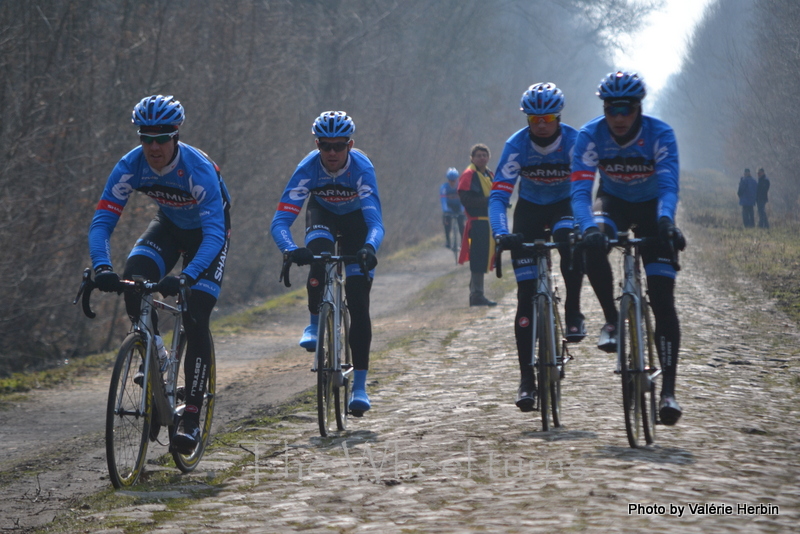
{"type": "Point", "coordinates": [665, 150]}
{"type": "Point", "coordinates": [585, 160]}
{"type": "Point", "coordinates": [118, 189]}
{"type": "Point", "coordinates": [443, 198]}
{"type": "Point", "coordinates": [206, 189]}
{"type": "Point", "coordinates": [367, 187]}
{"type": "Point", "coordinates": [505, 179]}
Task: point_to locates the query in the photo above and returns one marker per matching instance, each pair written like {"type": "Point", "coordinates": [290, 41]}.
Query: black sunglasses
{"type": "Point", "coordinates": [325, 146]}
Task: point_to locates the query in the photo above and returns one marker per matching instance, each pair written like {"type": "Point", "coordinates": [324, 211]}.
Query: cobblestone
{"type": "Point", "coordinates": [446, 450]}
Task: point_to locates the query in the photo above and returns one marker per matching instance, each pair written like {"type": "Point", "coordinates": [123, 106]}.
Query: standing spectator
{"type": "Point", "coordinates": [451, 206]}
{"type": "Point", "coordinates": [762, 198]}
{"type": "Point", "coordinates": [747, 198]}
{"type": "Point", "coordinates": [474, 187]}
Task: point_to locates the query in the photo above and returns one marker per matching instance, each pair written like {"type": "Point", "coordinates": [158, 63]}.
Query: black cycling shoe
{"type": "Point", "coordinates": [526, 395]}
{"type": "Point", "coordinates": [668, 410]}
{"type": "Point", "coordinates": [576, 329]}
{"type": "Point", "coordinates": [186, 437]}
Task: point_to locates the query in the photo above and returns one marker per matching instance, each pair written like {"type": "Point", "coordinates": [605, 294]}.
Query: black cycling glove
{"type": "Point", "coordinates": [594, 238]}
{"type": "Point", "coordinates": [509, 241]}
{"type": "Point", "coordinates": [169, 286]}
{"type": "Point", "coordinates": [106, 279]}
{"type": "Point", "coordinates": [668, 232]}
{"type": "Point", "coordinates": [367, 259]}
{"type": "Point", "coordinates": [301, 256]}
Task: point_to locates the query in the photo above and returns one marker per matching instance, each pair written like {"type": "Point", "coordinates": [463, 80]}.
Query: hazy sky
{"type": "Point", "coordinates": [657, 50]}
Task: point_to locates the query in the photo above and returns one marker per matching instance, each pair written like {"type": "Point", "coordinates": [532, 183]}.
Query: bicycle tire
{"type": "Point", "coordinates": [127, 422]}
{"type": "Point", "coordinates": [324, 361]}
{"type": "Point", "coordinates": [628, 346]}
{"type": "Point", "coordinates": [558, 370]}
{"type": "Point", "coordinates": [342, 394]}
{"type": "Point", "coordinates": [542, 369]}
{"type": "Point", "coordinates": [649, 402]}
{"type": "Point", "coordinates": [187, 462]}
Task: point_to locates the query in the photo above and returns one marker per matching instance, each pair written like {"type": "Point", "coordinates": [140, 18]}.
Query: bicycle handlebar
{"type": "Point", "coordinates": [138, 284]}
{"type": "Point", "coordinates": [325, 257]}
{"type": "Point", "coordinates": [537, 245]}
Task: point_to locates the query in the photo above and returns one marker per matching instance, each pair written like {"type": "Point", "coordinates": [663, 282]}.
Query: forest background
{"type": "Point", "coordinates": [423, 81]}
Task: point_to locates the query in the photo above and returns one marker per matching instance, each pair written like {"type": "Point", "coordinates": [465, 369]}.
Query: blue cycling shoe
{"type": "Point", "coordinates": [309, 339]}
{"type": "Point", "coordinates": [359, 402]}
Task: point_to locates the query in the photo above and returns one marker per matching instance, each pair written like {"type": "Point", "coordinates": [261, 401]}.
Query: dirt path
{"type": "Point", "coordinates": [445, 450]}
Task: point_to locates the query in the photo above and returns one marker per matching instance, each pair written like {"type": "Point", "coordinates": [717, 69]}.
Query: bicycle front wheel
{"type": "Point", "coordinates": [341, 394]}
{"type": "Point", "coordinates": [128, 414]}
{"type": "Point", "coordinates": [543, 329]}
{"type": "Point", "coordinates": [324, 359]}
{"type": "Point", "coordinates": [558, 370]}
{"type": "Point", "coordinates": [187, 462]}
{"type": "Point", "coordinates": [635, 380]}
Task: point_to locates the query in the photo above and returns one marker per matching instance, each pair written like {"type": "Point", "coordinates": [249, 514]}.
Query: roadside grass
{"type": "Point", "coordinates": [768, 257]}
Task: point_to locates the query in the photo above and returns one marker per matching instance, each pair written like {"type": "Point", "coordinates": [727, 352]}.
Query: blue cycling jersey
{"type": "Point", "coordinates": [448, 195]}
{"type": "Point", "coordinates": [189, 191]}
{"type": "Point", "coordinates": [644, 169]}
{"type": "Point", "coordinates": [352, 188]}
{"type": "Point", "coordinates": [544, 173]}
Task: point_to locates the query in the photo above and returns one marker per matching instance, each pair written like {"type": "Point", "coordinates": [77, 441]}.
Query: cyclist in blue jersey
{"type": "Point", "coordinates": [539, 157]}
{"type": "Point", "coordinates": [343, 204]}
{"type": "Point", "coordinates": [637, 158]}
{"type": "Point", "coordinates": [193, 220]}
{"type": "Point", "coordinates": [451, 205]}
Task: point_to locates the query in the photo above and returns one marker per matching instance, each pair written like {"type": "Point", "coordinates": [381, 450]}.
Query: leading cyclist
{"type": "Point", "coordinates": [343, 204]}
{"type": "Point", "coordinates": [539, 157]}
{"type": "Point", "coordinates": [637, 157]}
{"type": "Point", "coordinates": [193, 218]}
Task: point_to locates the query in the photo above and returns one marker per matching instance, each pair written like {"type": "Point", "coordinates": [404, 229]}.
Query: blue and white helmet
{"type": "Point", "coordinates": [621, 84]}
{"type": "Point", "coordinates": [333, 124]}
{"type": "Point", "coordinates": [158, 110]}
{"type": "Point", "coordinates": [542, 99]}
{"type": "Point", "coordinates": [452, 173]}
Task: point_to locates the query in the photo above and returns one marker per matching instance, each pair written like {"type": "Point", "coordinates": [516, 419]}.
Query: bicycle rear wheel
{"type": "Point", "coordinates": [342, 394]}
{"type": "Point", "coordinates": [324, 359]}
{"type": "Point", "coordinates": [542, 369]}
{"type": "Point", "coordinates": [128, 415]}
{"type": "Point", "coordinates": [635, 381]}
{"type": "Point", "coordinates": [187, 462]}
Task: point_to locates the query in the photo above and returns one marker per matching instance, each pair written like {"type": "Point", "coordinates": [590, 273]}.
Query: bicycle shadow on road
{"type": "Point", "coordinates": [348, 438]}
{"type": "Point", "coordinates": [558, 434]}
{"type": "Point", "coordinates": [653, 454]}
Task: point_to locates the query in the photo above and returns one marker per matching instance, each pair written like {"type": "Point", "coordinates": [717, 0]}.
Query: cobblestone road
{"type": "Point", "coordinates": [445, 450]}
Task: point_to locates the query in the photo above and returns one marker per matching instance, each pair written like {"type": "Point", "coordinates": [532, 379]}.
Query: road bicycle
{"type": "Point", "coordinates": [457, 235]}
{"type": "Point", "coordinates": [147, 393]}
{"type": "Point", "coordinates": [333, 361]}
{"type": "Point", "coordinates": [549, 354]}
{"type": "Point", "coordinates": [636, 353]}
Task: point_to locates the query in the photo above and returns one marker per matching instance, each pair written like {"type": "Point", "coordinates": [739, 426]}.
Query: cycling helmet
{"type": "Point", "coordinates": [542, 99]}
{"type": "Point", "coordinates": [333, 124]}
{"type": "Point", "coordinates": [158, 110]}
{"type": "Point", "coordinates": [621, 84]}
{"type": "Point", "coordinates": [452, 173]}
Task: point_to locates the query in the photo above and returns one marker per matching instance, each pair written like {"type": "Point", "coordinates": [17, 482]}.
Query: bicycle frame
{"type": "Point", "coordinates": [333, 294]}
{"type": "Point", "coordinates": [165, 400]}
{"type": "Point", "coordinates": [632, 285]}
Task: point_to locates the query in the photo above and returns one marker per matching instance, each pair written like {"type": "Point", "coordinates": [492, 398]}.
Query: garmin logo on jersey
{"type": "Point", "coordinates": [221, 265]}
{"type": "Point", "coordinates": [548, 174]}
{"type": "Point", "coordinates": [628, 171]}
{"type": "Point", "coordinates": [171, 198]}
{"type": "Point", "coordinates": [335, 194]}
